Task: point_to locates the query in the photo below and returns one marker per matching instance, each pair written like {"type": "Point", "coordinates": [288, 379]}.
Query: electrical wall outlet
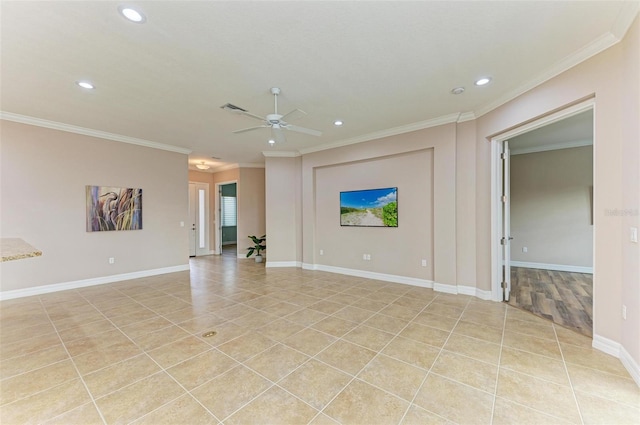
{"type": "Point", "coordinates": [366, 257]}
{"type": "Point", "coordinates": [424, 263]}
{"type": "Point", "coordinates": [322, 252]}
{"type": "Point", "coordinates": [624, 312]}
{"type": "Point", "coordinates": [525, 249]}
{"type": "Point", "coordinates": [633, 234]}
{"type": "Point", "coordinates": [112, 260]}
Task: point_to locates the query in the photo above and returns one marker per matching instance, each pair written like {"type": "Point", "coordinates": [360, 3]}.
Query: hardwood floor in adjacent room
{"type": "Point", "coordinates": [566, 298]}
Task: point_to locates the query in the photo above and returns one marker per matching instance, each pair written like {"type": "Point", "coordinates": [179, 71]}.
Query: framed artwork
{"type": "Point", "coordinates": [113, 208]}
{"type": "Point", "coordinates": [369, 208]}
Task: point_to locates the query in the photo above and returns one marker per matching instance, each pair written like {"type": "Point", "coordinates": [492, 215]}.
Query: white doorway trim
{"type": "Point", "coordinates": [199, 227]}
{"type": "Point", "coordinates": [496, 187]}
{"type": "Point", "coordinates": [218, 216]}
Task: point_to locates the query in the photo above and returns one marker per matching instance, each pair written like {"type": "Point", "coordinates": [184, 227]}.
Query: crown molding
{"type": "Point", "coordinates": [625, 18]}
{"type": "Point", "coordinates": [250, 165]}
{"type": "Point", "coordinates": [23, 119]}
{"type": "Point", "coordinates": [421, 125]}
{"type": "Point", "coordinates": [466, 116]}
{"type": "Point", "coordinates": [281, 154]}
{"type": "Point", "coordinates": [598, 45]}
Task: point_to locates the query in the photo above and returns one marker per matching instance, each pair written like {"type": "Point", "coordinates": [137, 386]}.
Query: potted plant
{"type": "Point", "coordinates": [259, 245]}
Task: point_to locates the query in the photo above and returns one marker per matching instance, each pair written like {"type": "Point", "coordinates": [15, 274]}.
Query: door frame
{"type": "Point", "coordinates": [206, 250]}
{"type": "Point", "coordinates": [218, 216]}
{"type": "Point", "coordinates": [497, 256]}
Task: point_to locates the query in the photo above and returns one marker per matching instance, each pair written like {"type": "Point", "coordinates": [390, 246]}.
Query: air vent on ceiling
{"type": "Point", "coordinates": [230, 107]}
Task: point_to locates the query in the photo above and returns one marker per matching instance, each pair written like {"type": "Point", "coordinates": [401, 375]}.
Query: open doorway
{"type": "Point", "coordinates": [545, 223]}
{"type": "Point", "coordinates": [228, 218]}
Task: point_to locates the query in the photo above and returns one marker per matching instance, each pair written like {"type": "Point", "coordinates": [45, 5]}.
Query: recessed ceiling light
{"type": "Point", "coordinates": [132, 14]}
{"type": "Point", "coordinates": [85, 85]}
{"type": "Point", "coordinates": [272, 142]}
{"type": "Point", "coordinates": [457, 90]}
{"type": "Point", "coordinates": [338, 123]}
{"type": "Point", "coordinates": [483, 81]}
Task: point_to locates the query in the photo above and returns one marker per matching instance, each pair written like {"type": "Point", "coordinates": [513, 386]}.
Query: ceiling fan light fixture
{"type": "Point", "coordinates": [483, 81]}
{"type": "Point", "coordinates": [132, 14]}
{"type": "Point", "coordinates": [202, 166]}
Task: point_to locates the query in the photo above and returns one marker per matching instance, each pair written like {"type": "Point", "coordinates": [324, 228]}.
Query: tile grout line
{"type": "Point", "coordinates": [84, 384]}
{"type": "Point", "coordinates": [431, 367]}
{"type": "Point", "coordinates": [495, 388]}
{"type": "Point", "coordinates": [566, 370]}
{"type": "Point", "coordinates": [144, 352]}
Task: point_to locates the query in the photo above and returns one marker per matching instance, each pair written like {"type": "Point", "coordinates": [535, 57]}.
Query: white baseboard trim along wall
{"type": "Point", "coordinates": [556, 267]}
{"type": "Point", "coordinates": [616, 350]}
{"type": "Point", "coordinates": [297, 264]}
{"type": "Point", "coordinates": [45, 289]}
{"type": "Point", "coordinates": [424, 283]}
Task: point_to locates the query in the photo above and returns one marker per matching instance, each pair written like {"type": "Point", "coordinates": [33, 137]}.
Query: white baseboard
{"type": "Point", "coordinates": [617, 350]}
{"type": "Point", "coordinates": [556, 267]}
{"type": "Point", "coordinates": [630, 364]}
{"type": "Point", "coordinates": [438, 287]}
{"type": "Point", "coordinates": [284, 264]}
{"type": "Point", "coordinates": [475, 292]}
{"type": "Point", "coordinates": [373, 275]}
{"type": "Point", "coordinates": [45, 289]}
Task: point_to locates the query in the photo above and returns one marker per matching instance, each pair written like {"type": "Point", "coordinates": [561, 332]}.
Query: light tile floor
{"type": "Point", "coordinates": [295, 347]}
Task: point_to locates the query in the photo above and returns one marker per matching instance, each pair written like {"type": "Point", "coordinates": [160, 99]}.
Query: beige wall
{"type": "Point", "coordinates": [283, 210]}
{"type": "Point", "coordinates": [43, 177]}
{"type": "Point", "coordinates": [251, 207]}
{"type": "Point", "coordinates": [630, 183]}
{"type": "Point", "coordinates": [551, 207]}
{"type": "Point", "coordinates": [439, 228]}
{"type": "Point", "coordinates": [395, 251]}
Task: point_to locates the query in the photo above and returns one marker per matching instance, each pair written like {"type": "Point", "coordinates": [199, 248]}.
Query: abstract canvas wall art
{"type": "Point", "coordinates": [113, 208]}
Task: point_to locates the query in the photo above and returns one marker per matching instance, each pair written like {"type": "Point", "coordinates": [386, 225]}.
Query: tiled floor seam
{"type": "Point", "coordinates": [566, 369]}
{"type": "Point", "coordinates": [162, 370]}
{"type": "Point", "coordinates": [84, 384]}
{"type": "Point", "coordinates": [354, 377]}
{"type": "Point", "coordinates": [495, 388]}
{"type": "Point", "coordinates": [412, 402]}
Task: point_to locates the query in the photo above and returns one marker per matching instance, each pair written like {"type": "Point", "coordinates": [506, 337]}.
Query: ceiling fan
{"type": "Point", "coordinates": [274, 121]}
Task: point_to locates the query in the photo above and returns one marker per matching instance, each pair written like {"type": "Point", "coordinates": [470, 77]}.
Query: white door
{"type": "Point", "coordinates": [505, 241]}
{"type": "Point", "coordinates": [199, 217]}
{"type": "Point", "coordinates": [192, 219]}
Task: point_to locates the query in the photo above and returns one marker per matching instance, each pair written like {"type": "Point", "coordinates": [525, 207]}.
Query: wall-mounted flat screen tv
{"type": "Point", "coordinates": [369, 208]}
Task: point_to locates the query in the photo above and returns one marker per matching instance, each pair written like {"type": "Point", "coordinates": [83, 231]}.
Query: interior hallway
{"type": "Point", "coordinates": [295, 347]}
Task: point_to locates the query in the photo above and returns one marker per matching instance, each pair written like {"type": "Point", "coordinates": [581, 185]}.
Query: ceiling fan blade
{"type": "Point", "coordinates": [250, 129]}
{"type": "Point", "coordinates": [250, 115]}
{"type": "Point", "coordinates": [293, 115]}
{"type": "Point", "coordinates": [304, 130]}
{"type": "Point", "coordinates": [278, 135]}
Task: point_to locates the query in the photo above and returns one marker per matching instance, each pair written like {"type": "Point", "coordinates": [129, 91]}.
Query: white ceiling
{"type": "Point", "coordinates": [382, 67]}
{"type": "Point", "coordinates": [571, 132]}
